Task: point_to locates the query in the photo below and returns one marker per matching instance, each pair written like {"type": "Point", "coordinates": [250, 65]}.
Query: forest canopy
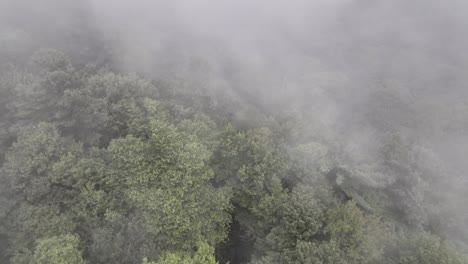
{"type": "Point", "coordinates": [304, 133]}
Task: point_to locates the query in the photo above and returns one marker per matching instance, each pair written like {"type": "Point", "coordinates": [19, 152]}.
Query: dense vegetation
{"type": "Point", "coordinates": [100, 165]}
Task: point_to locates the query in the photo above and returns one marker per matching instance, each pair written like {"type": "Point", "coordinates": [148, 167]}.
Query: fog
{"type": "Point", "coordinates": [360, 70]}
{"type": "Point", "coordinates": [327, 57]}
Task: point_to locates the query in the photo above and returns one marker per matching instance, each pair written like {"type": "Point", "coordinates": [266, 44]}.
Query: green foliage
{"type": "Point", "coordinates": [58, 250]}
{"type": "Point", "coordinates": [429, 249]}
{"type": "Point", "coordinates": [91, 153]}
{"type": "Point", "coordinates": [38, 90]}
{"type": "Point", "coordinates": [252, 164]}
{"type": "Point", "coordinates": [107, 105]}
{"type": "Point", "coordinates": [202, 127]}
{"type": "Point", "coordinates": [309, 252]}
{"type": "Point", "coordinates": [313, 228]}
{"type": "Point", "coordinates": [203, 255]}
{"type": "Point", "coordinates": [30, 162]}
{"type": "Point", "coordinates": [310, 162]}
{"type": "Point", "coordinates": [41, 194]}
{"type": "Point", "coordinates": [301, 218]}
{"type": "Point", "coordinates": [166, 178]}
{"type": "Point", "coordinates": [345, 224]}
{"type": "Point", "coordinates": [92, 106]}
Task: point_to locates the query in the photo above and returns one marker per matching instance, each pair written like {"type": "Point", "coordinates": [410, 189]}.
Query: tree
{"type": "Point", "coordinates": [429, 249]}
{"type": "Point", "coordinates": [345, 225]}
{"type": "Point", "coordinates": [39, 89]}
{"type": "Point", "coordinates": [29, 163]}
{"type": "Point", "coordinates": [107, 106]}
{"type": "Point", "coordinates": [252, 164]}
{"type": "Point", "coordinates": [204, 254]}
{"type": "Point", "coordinates": [7, 83]}
{"type": "Point", "coordinates": [58, 250]}
{"type": "Point", "coordinates": [38, 194]}
{"type": "Point", "coordinates": [167, 181]}
{"type": "Point", "coordinates": [309, 163]}
{"type": "Point", "coordinates": [314, 228]}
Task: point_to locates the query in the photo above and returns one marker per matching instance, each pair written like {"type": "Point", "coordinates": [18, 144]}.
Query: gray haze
{"type": "Point", "coordinates": [325, 56]}
{"type": "Point", "coordinates": [325, 60]}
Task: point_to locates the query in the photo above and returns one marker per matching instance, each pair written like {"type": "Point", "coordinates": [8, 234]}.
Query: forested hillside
{"type": "Point", "coordinates": [308, 132]}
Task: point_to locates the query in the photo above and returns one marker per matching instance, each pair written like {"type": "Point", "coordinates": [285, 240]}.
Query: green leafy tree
{"type": "Point", "coordinates": [58, 250]}
{"type": "Point", "coordinates": [30, 162]}
{"type": "Point", "coordinates": [345, 225]}
{"type": "Point", "coordinates": [309, 163]}
{"type": "Point", "coordinates": [204, 254]}
{"type": "Point", "coordinates": [39, 89]}
{"type": "Point", "coordinates": [39, 196]}
{"type": "Point", "coordinates": [429, 249]}
{"type": "Point", "coordinates": [107, 105]}
{"type": "Point", "coordinates": [314, 228]}
{"type": "Point", "coordinates": [252, 164]}
{"type": "Point", "coordinates": [167, 182]}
